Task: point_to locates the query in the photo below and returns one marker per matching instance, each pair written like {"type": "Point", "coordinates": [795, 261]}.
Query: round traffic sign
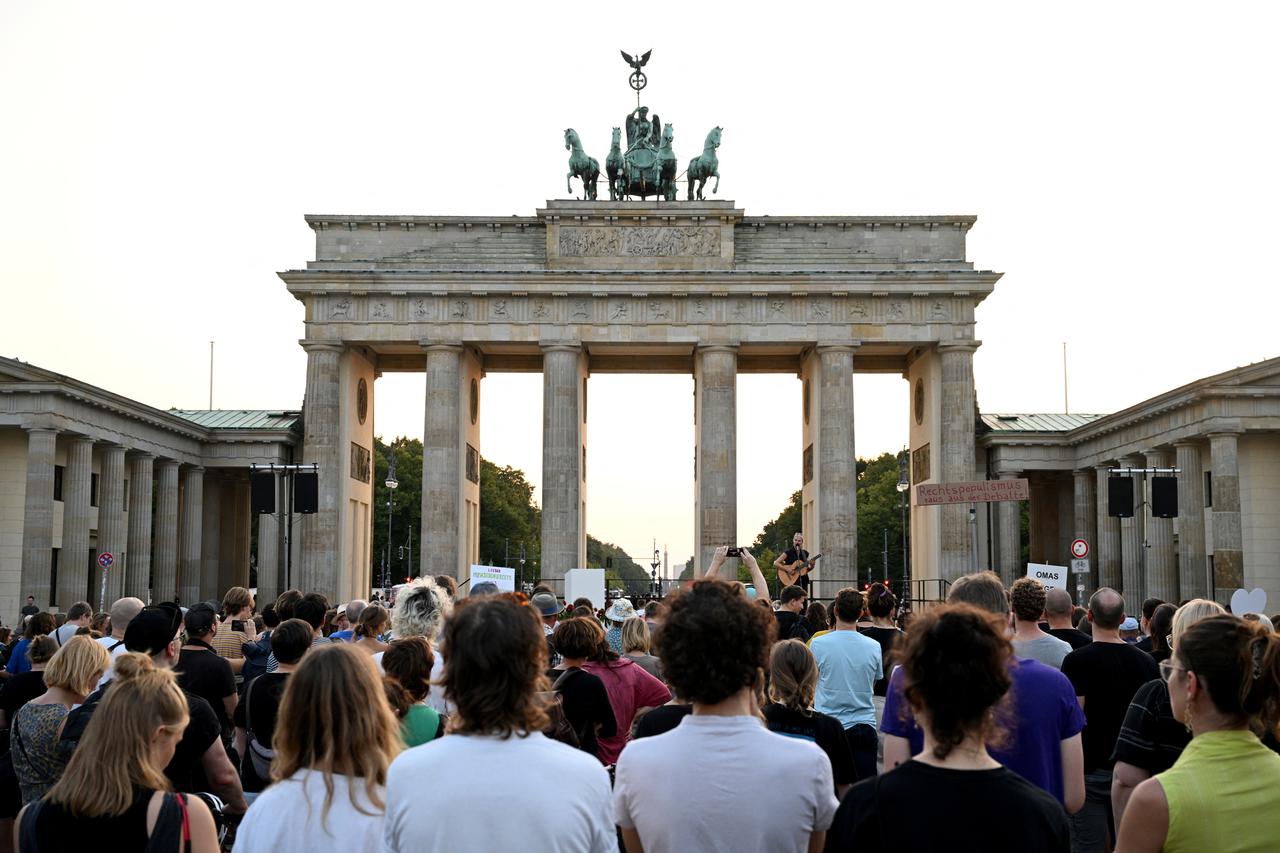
{"type": "Point", "coordinates": [105, 559]}
{"type": "Point", "coordinates": [1079, 549]}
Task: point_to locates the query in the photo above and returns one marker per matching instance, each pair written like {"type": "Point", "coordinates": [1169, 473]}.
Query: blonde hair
{"type": "Point", "coordinates": [334, 718]}
{"type": "Point", "coordinates": [635, 635]}
{"type": "Point", "coordinates": [77, 666]}
{"type": "Point", "coordinates": [793, 675]}
{"type": "Point", "coordinates": [114, 755]}
{"type": "Point", "coordinates": [1191, 613]}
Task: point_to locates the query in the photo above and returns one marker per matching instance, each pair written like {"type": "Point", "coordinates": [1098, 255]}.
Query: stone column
{"type": "Point", "coordinates": [269, 575]}
{"type": "Point", "coordinates": [716, 455]}
{"type": "Point", "coordinates": [1228, 542]}
{"type": "Point", "coordinates": [1086, 524]}
{"type": "Point", "coordinates": [837, 474]}
{"type": "Point", "coordinates": [210, 542]}
{"type": "Point", "coordinates": [190, 546]}
{"type": "Point", "coordinates": [1132, 542]}
{"type": "Point", "coordinates": [563, 461]}
{"type": "Point", "coordinates": [1193, 563]}
{"type": "Point", "coordinates": [1162, 573]}
{"type": "Point", "coordinates": [1009, 514]}
{"type": "Point", "coordinates": [958, 400]}
{"type": "Point", "coordinates": [112, 533]}
{"type": "Point", "coordinates": [1108, 550]}
{"type": "Point", "coordinates": [442, 529]}
{"type": "Point", "coordinates": [320, 558]}
{"type": "Point", "coordinates": [73, 562]}
{"type": "Point", "coordinates": [37, 519]}
{"type": "Point", "coordinates": [137, 569]}
{"type": "Point", "coordinates": [165, 557]}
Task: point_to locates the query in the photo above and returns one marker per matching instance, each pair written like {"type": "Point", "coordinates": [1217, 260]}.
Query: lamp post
{"type": "Point", "coordinates": [391, 484]}
{"type": "Point", "coordinates": [904, 485]}
{"type": "Point", "coordinates": [655, 588]}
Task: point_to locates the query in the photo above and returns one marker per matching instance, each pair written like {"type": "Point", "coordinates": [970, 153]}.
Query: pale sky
{"type": "Point", "coordinates": [158, 159]}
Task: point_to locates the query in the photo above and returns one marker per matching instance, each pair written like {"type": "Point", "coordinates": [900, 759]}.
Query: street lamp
{"type": "Point", "coordinates": [391, 484]}
{"type": "Point", "coordinates": [904, 485]}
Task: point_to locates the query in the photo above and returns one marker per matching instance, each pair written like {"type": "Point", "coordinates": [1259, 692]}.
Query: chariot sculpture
{"type": "Point", "coordinates": [648, 165]}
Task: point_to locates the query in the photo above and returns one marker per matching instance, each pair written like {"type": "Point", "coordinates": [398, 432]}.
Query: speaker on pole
{"type": "Point", "coordinates": [306, 492]}
{"type": "Point", "coordinates": [262, 492]}
{"type": "Point", "coordinates": [1120, 496]}
{"type": "Point", "coordinates": [1164, 497]}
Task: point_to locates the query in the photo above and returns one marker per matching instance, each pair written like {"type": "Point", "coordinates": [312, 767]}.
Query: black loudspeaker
{"type": "Point", "coordinates": [262, 492]}
{"type": "Point", "coordinates": [1120, 497]}
{"type": "Point", "coordinates": [306, 492]}
{"type": "Point", "coordinates": [1164, 497]}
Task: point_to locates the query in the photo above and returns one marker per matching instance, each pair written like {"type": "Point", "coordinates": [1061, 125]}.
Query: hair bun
{"type": "Point", "coordinates": [131, 665]}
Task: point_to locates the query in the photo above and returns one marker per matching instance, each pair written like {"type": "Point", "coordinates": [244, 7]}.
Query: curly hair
{"type": "Point", "coordinates": [714, 642]}
{"type": "Point", "coordinates": [956, 666]}
{"type": "Point", "coordinates": [495, 661]}
{"type": "Point", "coordinates": [1027, 598]}
{"type": "Point", "coordinates": [419, 609]}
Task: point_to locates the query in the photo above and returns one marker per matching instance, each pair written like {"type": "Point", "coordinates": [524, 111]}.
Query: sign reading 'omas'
{"type": "Point", "coordinates": [1054, 577]}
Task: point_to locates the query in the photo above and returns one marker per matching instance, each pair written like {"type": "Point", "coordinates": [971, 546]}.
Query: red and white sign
{"type": "Point", "coordinates": [1079, 549]}
{"type": "Point", "coordinates": [977, 491]}
{"type": "Point", "coordinates": [105, 559]}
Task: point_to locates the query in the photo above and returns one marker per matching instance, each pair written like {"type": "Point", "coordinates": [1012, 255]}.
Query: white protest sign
{"type": "Point", "coordinates": [501, 577]}
{"type": "Point", "coordinates": [584, 583]}
{"type": "Point", "coordinates": [1053, 577]}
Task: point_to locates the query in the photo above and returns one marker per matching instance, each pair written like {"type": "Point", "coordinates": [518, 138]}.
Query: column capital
{"type": "Point", "coordinates": [164, 462]}
{"type": "Point", "coordinates": [1189, 442]}
{"type": "Point", "coordinates": [193, 469]}
{"type": "Point", "coordinates": [561, 346]}
{"type": "Point", "coordinates": [958, 346]}
{"type": "Point", "coordinates": [40, 430]}
{"type": "Point", "coordinates": [1224, 433]}
{"type": "Point", "coordinates": [139, 454]}
{"type": "Point", "coordinates": [729, 348]}
{"type": "Point", "coordinates": [1006, 474]}
{"type": "Point", "coordinates": [427, 346]}
{"type": "Point", "coordinates": [850, 347]}
{"type": "Point", "coordinates": [322, 346]}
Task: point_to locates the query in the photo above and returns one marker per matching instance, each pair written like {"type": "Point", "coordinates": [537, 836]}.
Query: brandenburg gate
{"type": "Point", "coordinates": [657, 285]}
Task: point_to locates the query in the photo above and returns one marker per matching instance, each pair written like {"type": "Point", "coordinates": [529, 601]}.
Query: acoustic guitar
{"type": "Point", "coordinates": [790, 575]}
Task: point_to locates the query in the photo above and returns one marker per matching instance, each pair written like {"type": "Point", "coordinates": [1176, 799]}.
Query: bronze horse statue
{"type": "Point", "coordinates": [705, 165]}
{"type": "Point", "coordinates": [613, 167]}
{"type": "Point", "coordinates": [667, 164]}
{"type": "Point", "coordinates": [582, 167]}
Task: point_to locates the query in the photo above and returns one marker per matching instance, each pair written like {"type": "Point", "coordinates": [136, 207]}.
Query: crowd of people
{"type": "Point", "coordinates": [713, 719]}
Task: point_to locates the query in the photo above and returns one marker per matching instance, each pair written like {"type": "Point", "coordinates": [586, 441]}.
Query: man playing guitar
{"type": "Point", "coordinates": [794, 564]}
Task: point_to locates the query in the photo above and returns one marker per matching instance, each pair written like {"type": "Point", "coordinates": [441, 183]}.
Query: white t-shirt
{"type": "Point", "coordinates": [288, 817]}
{"type": "Point", "coordinates": [116, 648]}
{"type": "Point", "coordinates": [435, 696]}
{"type": "Point", "coordinates": [699, 787]}
{"type": "Point", "coordinates": [476, 792]}
{"type": "Point", "coordinates": [65, 633]}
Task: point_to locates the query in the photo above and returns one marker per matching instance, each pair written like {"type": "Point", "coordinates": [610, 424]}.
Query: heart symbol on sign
{"type": "Point", "coordinates": [1243, 601]}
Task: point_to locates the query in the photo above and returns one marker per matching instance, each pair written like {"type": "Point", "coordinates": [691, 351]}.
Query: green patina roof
{"type": "Point", "coordinates": [1037, 423]}
{"type": "Point", "coordinates": [240, 418]}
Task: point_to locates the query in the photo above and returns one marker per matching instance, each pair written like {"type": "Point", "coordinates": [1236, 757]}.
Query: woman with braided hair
{"type": "Point", "coordinates": [1223, 792]}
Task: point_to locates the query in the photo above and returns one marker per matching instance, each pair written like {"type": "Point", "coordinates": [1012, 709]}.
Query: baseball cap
{"type": "Point", "coordinates": [200, 618]}
{"type": "Point", "coordinates": [1129, 624]}
{"type": "Point", "coordinates": [546, 604]}
{"type": "Point", "coordinates": [153, 628]}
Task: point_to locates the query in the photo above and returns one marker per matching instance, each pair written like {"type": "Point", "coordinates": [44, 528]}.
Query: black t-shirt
{"type": "Point", "coordinates": [1145, 644]}
{"type": "Point", "coordinates": [1107, 675]}
{"type": "Point", "coordinates": [886, 637]}
{"type": "Point", "coordinates": [202, 672]}
{"type": "Point", "coordinates": [790, 557]}
{"type": "Point", "coordinates": [1074, 636]}
{"type": "Point", "coordinates": [185, 770]}
{"type": "Point", "coordinates": [791, 626]}
{"type": "Point", "coordinates": [1150, 737]}
{"type": "Point", "coordinates": [30, 610]}
{"type": "Point", "coordinates": [983, 811]}
{"type": "Point", "coordinates": [19, 690]}
{"type": "Point", "coordinates": [826, 732]}
{"type": "Point", "coordinates": [586, 705]}
{"type": "Point", "coordinates": [660, 720]}
{"type": "Point", "coordinates": [264, 703]}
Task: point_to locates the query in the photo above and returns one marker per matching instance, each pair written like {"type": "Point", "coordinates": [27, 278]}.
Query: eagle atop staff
{"type": "Point", "coordinates": [637, 64]}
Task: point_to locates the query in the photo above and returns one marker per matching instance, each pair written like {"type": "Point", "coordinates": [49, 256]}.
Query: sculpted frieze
{"type": "Point", "coordinates": [618, 241]}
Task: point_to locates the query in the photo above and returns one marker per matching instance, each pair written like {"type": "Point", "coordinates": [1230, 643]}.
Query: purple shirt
{"type": "Point", "coordinates": [1044, 712]}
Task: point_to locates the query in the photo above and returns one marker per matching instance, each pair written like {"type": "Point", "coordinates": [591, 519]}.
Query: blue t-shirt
{"type": "Point", "coordinates": [849, 665]}
{"type": "Point", "coordinates": [1042, 712]}
{"type": "Point", "coordinates": [345, 636]}
{"type": "Point", "coordinates": [18, 661]}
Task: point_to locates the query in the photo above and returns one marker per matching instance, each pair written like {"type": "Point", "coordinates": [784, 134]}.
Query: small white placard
{"type": "Point", "coordinates": [1051, 576]}
{"type": "Point", "coordinates": [500, 576]}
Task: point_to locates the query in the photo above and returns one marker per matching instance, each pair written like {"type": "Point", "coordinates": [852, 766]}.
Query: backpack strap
{"type": "Point", "coordinates": [117, 644]}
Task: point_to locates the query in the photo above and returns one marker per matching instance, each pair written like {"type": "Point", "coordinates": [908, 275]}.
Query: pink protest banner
{"type": "Point", "coordinates": [978, 491]}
